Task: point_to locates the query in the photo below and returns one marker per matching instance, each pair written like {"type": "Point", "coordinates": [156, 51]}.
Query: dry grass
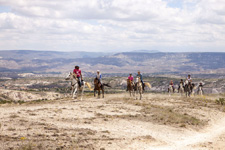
{"type": "Point", "coordinates": [168, 115]}
{"type": "Point", "coordinates": [101, 123]}
{"type": "Point", "coordinates": [13, 116]}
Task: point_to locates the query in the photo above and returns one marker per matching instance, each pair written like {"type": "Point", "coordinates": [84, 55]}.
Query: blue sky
{"type": "Point", "coordinates": [174, 3]}
{"type": "Point", "coordinates": [113, 25]}
{"type": "Point", "coordinates": [4, 9]}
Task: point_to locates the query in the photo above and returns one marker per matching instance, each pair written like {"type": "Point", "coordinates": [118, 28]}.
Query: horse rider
{"type": "Point", "coordinates": [189, 79]}
{"type": "Point", "coordinates": [140, 75]}
{"type": "Point", "coordinates": [171, 83]}
{"type": "Point", "coordinates": [78, 73]}
{"type": "Point", "coordinates": [182, 83]}
{"type": "Point", "coordinates": [99, 77]}
{"type": "Point", "coordinates": [131, 78]}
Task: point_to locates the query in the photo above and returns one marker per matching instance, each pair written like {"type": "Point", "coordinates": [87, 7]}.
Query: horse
{"type": "Point", "coordinates": [99, 86]}
{"type": "Point", "coordinates": [130, 87]}
{"type": "Point", "coordinates": [138, 87]}
{"type": "Point", "coordinates": [189, 88]}
{"type": "Point", "coordinates": [75, 85]}
{"type": "Point", "coordinates": [170, 89]}
{"type": "Point", "coordinates": [181, 89]}
{"type": "Point", "coordinates": [200, 91]}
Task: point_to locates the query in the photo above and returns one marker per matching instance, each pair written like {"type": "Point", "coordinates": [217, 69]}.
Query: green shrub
{"type": "Point", "coordinates": [220, 101]}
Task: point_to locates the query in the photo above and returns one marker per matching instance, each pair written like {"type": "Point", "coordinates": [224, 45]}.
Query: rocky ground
{"type": "Point", "coordinates": [159, 121]}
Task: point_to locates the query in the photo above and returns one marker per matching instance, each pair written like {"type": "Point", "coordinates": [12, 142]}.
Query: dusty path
{"type": "Point", "coordinates": [197, 139]}
{"type": "Point", "coordinates": [109, 123]}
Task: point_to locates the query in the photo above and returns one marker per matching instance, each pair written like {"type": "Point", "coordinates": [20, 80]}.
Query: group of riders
{"type": "Point", "coordinates": [182, 83]}
{"type": "Point", "coordinates": [78, 74]}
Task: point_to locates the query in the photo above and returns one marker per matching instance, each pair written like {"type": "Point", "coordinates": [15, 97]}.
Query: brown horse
{"type": "Point", "coordinates": [130, 87]}
{"type": "Point", "coordinates": [98, 87]}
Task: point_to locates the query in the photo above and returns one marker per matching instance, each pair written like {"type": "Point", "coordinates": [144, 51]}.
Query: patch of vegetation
{"type": "Point", "coordinates": [5, 102]}
{"type": "Point", "coordinates": [5, 99]}
{"type": "Point", "coordinates": [168, 115]}
{"type": "Point", "coordinates": [220, 101]}
{"type": "Point", "coordinates": [26, 147]}
{"type": "Point", "coordinates": [40, 100]}
{"type": "Point", "coordinates": [21, 102]}
{"type": "Point", "coordinates": [13, 116]}
{"type": "Point", "coordinates": [11, 129]}
{"type": "Point", "coordinates": [164, 115]}
{"type": "Point", "coordinates": [37, 101]}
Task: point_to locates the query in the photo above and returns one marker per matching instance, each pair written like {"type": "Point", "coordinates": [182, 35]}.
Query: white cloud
{"type": "Point", "coordinates": [101, 25]}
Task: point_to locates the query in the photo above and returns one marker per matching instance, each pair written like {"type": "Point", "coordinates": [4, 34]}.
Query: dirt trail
{"type": "Point", "coordinates": [208, 134]}
{"type": "Point", "coordinates": [105, 126]}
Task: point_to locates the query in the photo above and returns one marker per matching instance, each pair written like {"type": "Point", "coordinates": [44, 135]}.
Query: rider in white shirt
{"type": "Point", "coordinates": [189, 78]}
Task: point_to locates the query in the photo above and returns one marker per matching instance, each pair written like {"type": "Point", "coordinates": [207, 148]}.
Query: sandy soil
{"type": "Point", "coordinates": [158, 122]}
{"type": "Point", "coordinates": [30, 96]}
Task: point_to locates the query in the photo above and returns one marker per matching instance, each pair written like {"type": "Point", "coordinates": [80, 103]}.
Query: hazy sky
{"type": "Point", "coordinates": [113, 25]}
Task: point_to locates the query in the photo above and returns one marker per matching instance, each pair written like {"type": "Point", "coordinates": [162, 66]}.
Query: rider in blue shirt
{"type": "Point", "coordinates": [140, 75]}
{"type": "Point", "coordinates": [99, 76]}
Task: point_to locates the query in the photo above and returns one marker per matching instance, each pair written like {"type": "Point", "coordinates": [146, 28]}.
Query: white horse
{"type": "Point", "coordinates": [181, 89]}
{"type": "Point", "coordinates": [200, 91]}
{"type": "Point", "coordinates": [75, 85]}
{"type": "Point", "coordinates": [138, 87]}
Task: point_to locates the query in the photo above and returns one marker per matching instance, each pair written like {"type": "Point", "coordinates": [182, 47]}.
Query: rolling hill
{"type": "Point", "coordinates": [124, 62]}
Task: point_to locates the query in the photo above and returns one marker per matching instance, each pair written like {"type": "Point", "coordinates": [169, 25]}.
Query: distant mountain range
{"type": "Point", "coordinates": [124, 62]}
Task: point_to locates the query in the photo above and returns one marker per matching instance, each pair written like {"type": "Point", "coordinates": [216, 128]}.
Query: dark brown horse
{"type": "Point", "coordinates": [189, 88]}
{"type": "Point", "coordinates": [99, 86]}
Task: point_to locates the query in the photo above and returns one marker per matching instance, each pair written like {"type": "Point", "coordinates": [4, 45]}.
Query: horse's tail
{"type": "Point", "coordinates": [148, 85]}
{"type": "Point", "coordinates": [106, 84]}
{"type": "Point", "coordinates": [89, 86]}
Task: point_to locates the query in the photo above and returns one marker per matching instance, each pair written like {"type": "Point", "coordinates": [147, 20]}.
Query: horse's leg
{"type": "Point", "coordinates": [72, 90]}
{"type": "Point", "coordinates": [82, 91]}
{"type": "Point", "coordinates": [186, 92]}
{"type": "Point", "coordinates": [140, 93]}
{"type": "Point", "coordinates": [130, 92]}
{"type": "Point", "coordinates": [103, 92]}
{"type": "Point", "coordinates": [94, 93]}
{"type": "Point", "coordinates": [75, 92]}
{"type": "Point", "coordinates": [135, 94]}
{"type": "Point", "coordinates": [99, 93]}
{"type": "Point", "coordinates": [169, 91]}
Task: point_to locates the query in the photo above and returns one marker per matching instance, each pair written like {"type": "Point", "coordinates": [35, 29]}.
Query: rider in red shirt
{"type": "Point", "coordinates": [77, 72]}
{"type": "Point", "coordinates": [131, 78]}
{"type": "Point", "coordinates": [171, 83]}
